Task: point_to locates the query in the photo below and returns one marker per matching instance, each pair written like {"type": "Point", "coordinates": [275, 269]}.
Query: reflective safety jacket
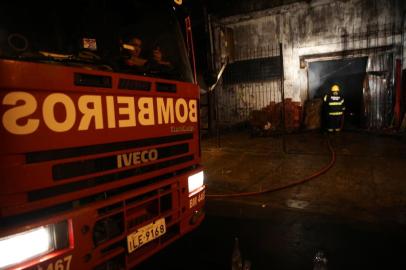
{"type": "Point", "coordinates": [335, 104]}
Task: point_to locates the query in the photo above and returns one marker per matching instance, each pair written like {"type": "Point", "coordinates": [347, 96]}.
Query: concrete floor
{"type": "Point", "coordinates": [355, 213]}
{"type": "Point", "coordinates": [366, 183]}
{"type": "Point", "coordinates": [281, 239]}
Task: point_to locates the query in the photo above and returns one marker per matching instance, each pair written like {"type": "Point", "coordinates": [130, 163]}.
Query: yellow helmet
{"type": "Point", "coordinates": [335, 88]}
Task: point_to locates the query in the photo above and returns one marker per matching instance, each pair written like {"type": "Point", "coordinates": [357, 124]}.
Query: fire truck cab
{"type": "Point", "coordinates": [99, 134]}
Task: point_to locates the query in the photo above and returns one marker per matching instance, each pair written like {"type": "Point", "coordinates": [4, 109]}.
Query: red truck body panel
{"type": "Point", "coordinates": [100, 151]}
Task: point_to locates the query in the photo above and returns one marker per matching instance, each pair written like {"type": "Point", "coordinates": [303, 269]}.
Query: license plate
{"type": "Point", "coordinates": [146, 234]}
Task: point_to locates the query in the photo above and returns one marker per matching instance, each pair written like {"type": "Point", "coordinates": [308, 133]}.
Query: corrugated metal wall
{"type": "Point", "coordinates": [379, 92]}
{"type": "Point", "coordinates": [237, 100]}
{"type": "Point", "coordinates": [320, 30]}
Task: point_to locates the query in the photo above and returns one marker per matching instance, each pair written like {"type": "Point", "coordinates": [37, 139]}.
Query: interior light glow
{"type": "Point", "coordinates": [129, 47]}
{"type": "Point", "coordinates": [18, 248]}
{"type": "Point", "coordinates": [195, 181]}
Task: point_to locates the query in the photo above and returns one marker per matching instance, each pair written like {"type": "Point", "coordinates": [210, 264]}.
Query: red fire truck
{"type": "Point", "coordinates": [99, 134]}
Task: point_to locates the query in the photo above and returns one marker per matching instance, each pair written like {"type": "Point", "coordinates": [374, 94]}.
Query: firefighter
{"type": "Point", "coordinates": [134, 46]}
{"type": "Point", "coordinates": [334, 103]}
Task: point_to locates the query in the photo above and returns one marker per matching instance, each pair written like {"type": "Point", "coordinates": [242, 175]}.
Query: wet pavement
{"type": "Point", "coordinates": [355, 212]}
{"type": "Point", "coordinates": [282, 239]}
{"type": "Point", "coordinates": [367, 181]}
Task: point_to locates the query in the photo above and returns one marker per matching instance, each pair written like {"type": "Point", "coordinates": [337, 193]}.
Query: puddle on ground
{"type": "Point", "coordinates": [297, 204]}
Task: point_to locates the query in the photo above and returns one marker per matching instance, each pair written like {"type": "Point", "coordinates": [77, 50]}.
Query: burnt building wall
{"type": "Point", "coordinates": [308, 31]}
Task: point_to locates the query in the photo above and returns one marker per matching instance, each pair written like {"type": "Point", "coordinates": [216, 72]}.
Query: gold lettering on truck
{"type": "Point", "coordinates": [24, 114]}
{"type": "Point", "coordinates": [127, 110]}
{"type": "Point", "coordinates": [91, 108]}
{"type": "Point", "coordinates": [146, 115]}
{"type": "Point", "coordinates": [165, 111]}
{"type": "Point", "coordinates": [135, 158]}
{"type": "Point", "coordinates": [49, 108]}
{"type": "Point", "coordinates": [24, 104]}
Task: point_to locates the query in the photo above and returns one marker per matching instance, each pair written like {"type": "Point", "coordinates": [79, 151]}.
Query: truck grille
{"type": "Point", "coordinates": [42, 156]}
{"type": "Point", "coordinates": [89, 166]}
{"type": "Point", "coordinates": [111, 193]}
{"type": "Point", "coordinates": [96, 165]}
{"type": "Point", "coordinates": [82, 175]}
{"type": "Point", "coordinates": [120, 219]}
{"type": "Point", "coordinates": [95, 181]}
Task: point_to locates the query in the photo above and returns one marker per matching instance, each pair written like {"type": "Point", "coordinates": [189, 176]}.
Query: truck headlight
{"type": "Point", "coordinates": [195, 181]}
{"type": "Point", "coordinates": [23, 246]}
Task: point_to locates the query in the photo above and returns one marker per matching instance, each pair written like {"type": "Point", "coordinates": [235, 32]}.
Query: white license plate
{"type": "Point", "coordinates": [146, 234]}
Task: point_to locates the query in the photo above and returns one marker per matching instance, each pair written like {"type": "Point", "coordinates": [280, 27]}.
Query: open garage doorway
{"type": "Point", "coordinates": [349, 74]}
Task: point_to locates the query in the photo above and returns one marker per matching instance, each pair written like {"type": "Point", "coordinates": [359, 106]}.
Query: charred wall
{"type": "Point", "coordinates": [308, 31]}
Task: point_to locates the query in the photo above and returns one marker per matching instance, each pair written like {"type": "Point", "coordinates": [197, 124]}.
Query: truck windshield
{"type": "Point", "coordinates": [126, 36]}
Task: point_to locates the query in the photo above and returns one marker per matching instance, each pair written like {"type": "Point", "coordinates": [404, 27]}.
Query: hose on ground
{"type": "Point", "coordinates": [292, 184]}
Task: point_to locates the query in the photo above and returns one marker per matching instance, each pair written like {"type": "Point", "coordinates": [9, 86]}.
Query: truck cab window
{"type": "Point", "coordinates": [100, 35]}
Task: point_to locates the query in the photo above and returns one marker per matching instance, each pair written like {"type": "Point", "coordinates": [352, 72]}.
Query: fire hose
{"type": "Point", "coordinates": [291, 184]}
